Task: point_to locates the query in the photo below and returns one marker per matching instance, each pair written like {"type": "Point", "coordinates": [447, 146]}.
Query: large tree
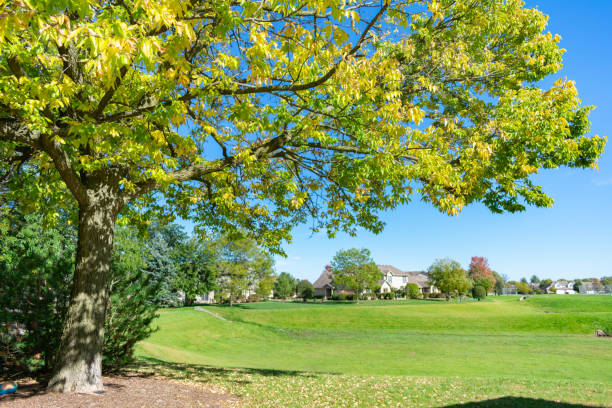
{"type": "Point", "coordinates": [259, 114]}
{"type": "Point", "coordinates": [355, 269]}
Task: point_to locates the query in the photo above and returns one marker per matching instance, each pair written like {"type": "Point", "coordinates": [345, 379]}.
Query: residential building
{"type": "Point", "coordinates": [562, 287]}
{"type": "Point", "coordinates": [394, 278]}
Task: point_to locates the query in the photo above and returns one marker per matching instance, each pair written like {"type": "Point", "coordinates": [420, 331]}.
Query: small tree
{"type": "Point", "coordinates": [305, 290]}
{"type": "Point", "coordinates": [480, 273]}
{"type": "Point", "coordinates": [479, 292]}
{"type": "Point", "coordinates": [412, 290]}
{"type": "Point", "coordinates": [162, 271]}
{"type": "Point", "coordinates": [354, 269]}
{"type": "Point", "coordinates": [523, 288]}
{"type": "Point", "coordinates": [500, 283]}
{"type": "Point", "coordinates": [448, 276]}
{"type": "Point", "coordinates": [284, 286]}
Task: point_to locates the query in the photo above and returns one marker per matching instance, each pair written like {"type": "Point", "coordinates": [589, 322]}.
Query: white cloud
{"type": "Point", "coordinates": [603, 182]}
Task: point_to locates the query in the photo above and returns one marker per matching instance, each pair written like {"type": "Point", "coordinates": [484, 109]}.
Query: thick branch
{"type": "Point", "coordinates": [13, 130]}
{"type": "Point", "coordinates": [197, 172]}
{"type": "Point", "coordinates": [63, 165]}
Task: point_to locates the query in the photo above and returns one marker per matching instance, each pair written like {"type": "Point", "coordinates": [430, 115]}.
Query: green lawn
{"type": "Point", "coordinates": [403, 353]}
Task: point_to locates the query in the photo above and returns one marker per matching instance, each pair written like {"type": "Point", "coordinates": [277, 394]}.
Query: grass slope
{"type": "Point", "coordinates": [522, 348]}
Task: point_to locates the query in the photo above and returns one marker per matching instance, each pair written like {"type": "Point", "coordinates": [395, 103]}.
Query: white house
{"type": "Point", "coordinates": [563, 287]}
{"type": "Point", "coordinates": [394, 278]}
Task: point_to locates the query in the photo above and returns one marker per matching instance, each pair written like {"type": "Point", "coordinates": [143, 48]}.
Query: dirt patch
{"type": "Point", "coordinates": [129, 391]}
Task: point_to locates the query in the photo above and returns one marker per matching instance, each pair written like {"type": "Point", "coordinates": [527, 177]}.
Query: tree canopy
{"type": "Point", "coordinates": [260, 114]}
{"type": "Point", "coordinates": [257, 115]}
{"type": "Point", "coordinates": [449, 277]}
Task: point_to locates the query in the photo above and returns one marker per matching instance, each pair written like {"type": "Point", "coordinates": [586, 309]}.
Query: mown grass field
{"type": "Point", "coordinates": [403, 353]}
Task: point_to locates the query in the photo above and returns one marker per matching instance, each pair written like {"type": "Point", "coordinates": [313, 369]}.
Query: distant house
{"type": "Point", "coordinates": [562, 287]}
{"type": "Point", "coordinates": [594, 288]}
{"type": "Point", "coordinates": [394, 278]}
{"type": "Point", "coordinates": [206, 297]}
{"type": "Point", "coordinates": [324, 285]}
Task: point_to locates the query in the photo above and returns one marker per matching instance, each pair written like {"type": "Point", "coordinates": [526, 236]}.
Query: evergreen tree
{"type": "Point", "coordinates": [133, 299]}
{"type": "Point", "coordinates": [36, 267]}
{"type": "Point", "coordinates": [161, 269]}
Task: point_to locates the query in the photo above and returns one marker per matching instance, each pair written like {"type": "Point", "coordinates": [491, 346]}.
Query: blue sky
{"type": "Point", "coordinates": [571, 240]}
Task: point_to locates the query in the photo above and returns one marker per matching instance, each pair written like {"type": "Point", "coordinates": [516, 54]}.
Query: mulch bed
{"type": "Point", "coordinates": [127, 391]}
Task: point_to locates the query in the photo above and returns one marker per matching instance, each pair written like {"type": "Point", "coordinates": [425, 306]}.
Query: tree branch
{"type": "Point", "coordinates": [14, 130]}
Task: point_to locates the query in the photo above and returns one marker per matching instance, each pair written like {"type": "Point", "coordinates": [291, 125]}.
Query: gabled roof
{"type": "Point", "coordinates": [392, 269]}
{"type": "Point", "coordinates": [324, 280]}
{"type": "Point", "coordinates": [418, 277]}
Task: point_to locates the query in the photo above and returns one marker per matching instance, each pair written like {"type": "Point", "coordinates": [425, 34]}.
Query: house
{"type": "Point", "coordinates": [394, 278]}
{"type": "Point", "coordinates": [324, 286]}
{"type": "Point", "coordinates": [206, 297]}
{"type": "Point", "coordinates": [592, 288]}
{"type": "Point", "coordinates": [562, 287]}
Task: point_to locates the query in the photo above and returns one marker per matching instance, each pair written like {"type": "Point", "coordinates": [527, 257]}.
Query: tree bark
{"type": "Point", "coordinates": [78, 365]}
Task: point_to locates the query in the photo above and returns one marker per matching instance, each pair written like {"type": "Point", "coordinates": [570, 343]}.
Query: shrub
{"type": "Point", "coordinates": [256, 297]}
{"type": "Point", "coordinates": [479, 292]}
{"type": "Point", "coordinates": [412, 290]}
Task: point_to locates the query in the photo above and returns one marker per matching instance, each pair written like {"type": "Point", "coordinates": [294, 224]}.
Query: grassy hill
{"type": "Point", "coordinates": [471, 349]}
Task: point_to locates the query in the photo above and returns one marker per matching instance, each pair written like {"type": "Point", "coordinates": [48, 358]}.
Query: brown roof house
{"type": "Point", "coordinates": [324, 285]}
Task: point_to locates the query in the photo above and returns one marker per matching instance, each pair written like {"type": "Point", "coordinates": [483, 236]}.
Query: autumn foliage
{"type": "Point", "coordinates": [480, 273]}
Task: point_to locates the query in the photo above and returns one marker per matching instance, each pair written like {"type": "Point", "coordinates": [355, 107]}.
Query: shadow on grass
{"type": "Point", "coordinates": [516, 402]}
{"type": "Point", "coordinates": [146, 367]}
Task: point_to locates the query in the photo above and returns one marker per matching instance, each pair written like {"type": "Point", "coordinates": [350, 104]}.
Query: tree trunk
{"type": "Point", "coordinates": [78, 365]}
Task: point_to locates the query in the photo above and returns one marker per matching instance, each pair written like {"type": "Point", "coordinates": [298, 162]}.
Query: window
{"type": "Point", "coordinates": [404, 279]}
{"type": "Point", "coordinates": [389, 278]}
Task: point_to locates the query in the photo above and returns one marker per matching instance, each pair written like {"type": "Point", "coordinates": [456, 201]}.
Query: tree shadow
{"type": "Point", "coordinates": [38, 386]}
{"type": "Point", "coordinates": [516, 402]}
{"type": "Point", "coordinates": [204, 373]}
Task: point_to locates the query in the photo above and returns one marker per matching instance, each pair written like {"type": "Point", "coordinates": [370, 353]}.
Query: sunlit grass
{"type": "Point", "coordinates": [398, 352]}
